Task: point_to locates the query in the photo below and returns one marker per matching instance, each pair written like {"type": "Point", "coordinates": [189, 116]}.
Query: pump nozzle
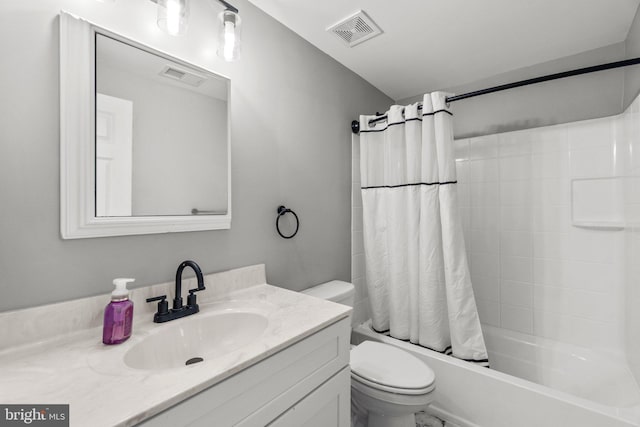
{"type": "Point", "coordinates": [121, 292]}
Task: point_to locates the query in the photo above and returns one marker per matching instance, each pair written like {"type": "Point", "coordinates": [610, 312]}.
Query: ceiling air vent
{"type": "Point", "coordinates": [355, 29]}
{"type": "Point", "coordinates": [183, 76]}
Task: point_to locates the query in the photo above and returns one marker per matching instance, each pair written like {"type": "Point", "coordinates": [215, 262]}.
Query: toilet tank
{"type": "Point", "coordinates": [335, 290]}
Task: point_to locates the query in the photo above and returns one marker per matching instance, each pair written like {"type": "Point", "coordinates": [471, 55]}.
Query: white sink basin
{"type": "Point", "coordinates": [197, 338]}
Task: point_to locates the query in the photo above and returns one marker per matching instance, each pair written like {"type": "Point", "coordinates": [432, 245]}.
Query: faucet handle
{"type": "Point", "coordinates": [191, 299]}
{"type": "Point", "coordinates": [163, 305]}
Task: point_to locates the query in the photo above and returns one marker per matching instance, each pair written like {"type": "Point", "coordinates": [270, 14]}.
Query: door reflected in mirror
{"type": "Point", "coordinates": [160, 134]}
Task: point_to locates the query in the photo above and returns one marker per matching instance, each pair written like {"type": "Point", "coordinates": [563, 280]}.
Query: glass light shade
{"type": "Point", "coordinates": [173, 16]}
{"type": "Point", "coordinates": [229, 32]}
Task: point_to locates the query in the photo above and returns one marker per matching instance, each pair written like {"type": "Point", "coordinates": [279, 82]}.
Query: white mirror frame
{"type": "Point", "coordinates": [77, 148]}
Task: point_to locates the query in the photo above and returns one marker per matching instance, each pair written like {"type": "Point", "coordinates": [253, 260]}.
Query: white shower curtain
{"type": "Point", "coordinates": [416, 264]}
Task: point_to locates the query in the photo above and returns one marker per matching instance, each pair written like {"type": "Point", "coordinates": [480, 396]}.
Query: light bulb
{"type": "Point", "coordinates": [172, 16]}
{"type": "Point", "coordinates": [229, 40]}
{"type": "Point", "coordinates": [229, 35]}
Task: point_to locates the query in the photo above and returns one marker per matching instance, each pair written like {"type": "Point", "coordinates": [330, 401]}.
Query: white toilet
{"type": "Point", "coordinates": [387, 382]}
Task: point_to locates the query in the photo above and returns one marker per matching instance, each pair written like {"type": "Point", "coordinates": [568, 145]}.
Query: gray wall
{"type": "Point", "coordinates": [561, 101]}
{"type": "Point", "coordinates": [632, 74]}
{"type": "Point", "coordinates": [291, 109]}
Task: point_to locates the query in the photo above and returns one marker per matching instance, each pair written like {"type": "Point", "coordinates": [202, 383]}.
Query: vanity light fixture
{"type": "Point", "coordinates": [173, 16]}
{"type": "Point", "coordinates": [229, 32]}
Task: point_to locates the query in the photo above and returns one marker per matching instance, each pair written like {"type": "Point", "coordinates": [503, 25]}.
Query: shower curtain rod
{"type": "Point", "coordinates": [355, 125]}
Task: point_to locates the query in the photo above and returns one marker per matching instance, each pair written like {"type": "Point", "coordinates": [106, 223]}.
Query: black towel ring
{"type": "Point", "coordinates": [281, 211]}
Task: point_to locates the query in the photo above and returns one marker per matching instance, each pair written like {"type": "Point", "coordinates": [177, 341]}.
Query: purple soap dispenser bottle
{"type": "Point", "coordinates": [118, 315]}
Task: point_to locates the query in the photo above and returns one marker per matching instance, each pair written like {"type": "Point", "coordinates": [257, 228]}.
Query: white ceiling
{"type": "Point", "coordinates": [429, 45]}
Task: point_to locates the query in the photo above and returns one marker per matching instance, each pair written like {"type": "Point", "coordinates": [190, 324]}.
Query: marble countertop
{"type": "Point", "coordinates": [77, 369]}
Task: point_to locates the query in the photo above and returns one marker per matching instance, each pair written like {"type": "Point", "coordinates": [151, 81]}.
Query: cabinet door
{"type": "Point", "coordinates": [327, 406]}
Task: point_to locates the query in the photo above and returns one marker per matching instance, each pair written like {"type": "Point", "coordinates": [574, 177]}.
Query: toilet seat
{"type": "Point", "coordinates": [390, 369]}
{"type": "Point", "coordinates": [394, 390]}
{"type": "Point", "coordinates": [401, 400]}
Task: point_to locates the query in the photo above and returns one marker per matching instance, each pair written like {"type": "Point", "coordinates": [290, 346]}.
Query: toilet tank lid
{"type": "Point", "coordinates": [334, 290]}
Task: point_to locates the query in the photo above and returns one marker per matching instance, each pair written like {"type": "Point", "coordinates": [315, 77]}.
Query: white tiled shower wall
{"type": "Point", "coordinates": [631, 126]}
{"type": "Point", "coordinates": [534, 271]}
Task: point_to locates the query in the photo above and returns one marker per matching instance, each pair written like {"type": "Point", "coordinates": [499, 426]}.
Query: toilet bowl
{"type": "Point", "coordinates": [388, 383]}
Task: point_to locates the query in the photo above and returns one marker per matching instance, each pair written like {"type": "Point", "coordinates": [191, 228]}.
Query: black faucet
{"type": "Point", "coordinates": [164, 314]}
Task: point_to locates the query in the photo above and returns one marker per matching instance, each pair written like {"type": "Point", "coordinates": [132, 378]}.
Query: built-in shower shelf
{"type": "Point", "coordinates": [598, 203]}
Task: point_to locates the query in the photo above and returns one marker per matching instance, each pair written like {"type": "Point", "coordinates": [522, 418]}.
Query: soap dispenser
{"type": "Point", "coordinates": [118, 315]}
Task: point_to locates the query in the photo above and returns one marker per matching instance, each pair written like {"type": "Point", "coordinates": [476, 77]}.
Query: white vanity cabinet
{"type": "Point", "coordinates": [305, 384]}
{"type": "Point", "coordinates": [328, 405]}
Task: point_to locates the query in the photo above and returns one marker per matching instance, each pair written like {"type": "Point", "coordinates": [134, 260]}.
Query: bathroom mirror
{"type": "Point", "coordinates": [145, 144]}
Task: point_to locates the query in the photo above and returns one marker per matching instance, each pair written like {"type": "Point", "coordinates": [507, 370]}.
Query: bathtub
{"type": "Point", "coordinates": [532, 382]}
